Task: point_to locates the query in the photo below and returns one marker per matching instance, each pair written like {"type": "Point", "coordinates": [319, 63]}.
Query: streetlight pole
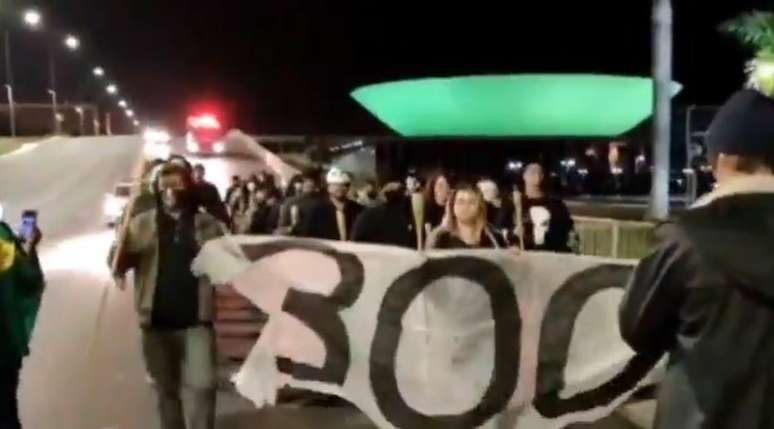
{"type": "Point", "coordinates": [662, 120]}
{"type": "Point", "coordinates": [79, 110]}
{"type": "Point", "coordinates": [9, 83]}
{"type": "Point", "coordinates": [11, 109]}
{"type": "Point", "coordinates": [51, 69]}
{"type": "Point", "coordinates": [108, 124]}
{"type": "Point", "coordinates": [54, 110]}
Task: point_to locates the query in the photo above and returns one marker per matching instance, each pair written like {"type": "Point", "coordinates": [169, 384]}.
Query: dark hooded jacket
{"type": "Point", "coordinates": [389, 223]}
{"type": "Point", "coordinates": [706, 296]}
{"type": "Point", "coordinates": [321, 220]}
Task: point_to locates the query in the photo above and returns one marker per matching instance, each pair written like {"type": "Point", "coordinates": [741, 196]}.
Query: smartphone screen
{"type": "Point", "coordinates": [29, 224]}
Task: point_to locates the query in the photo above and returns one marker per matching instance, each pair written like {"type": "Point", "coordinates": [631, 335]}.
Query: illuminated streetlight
{"type": "Point", "coordinates": [130, 113]}
{"type": "Point", "coordinates": [33, 18]}
{"type": "Point", "coordinates": [136, 123]}
{"type": "Point", "coordinates": [99, 71]}
{"type": "Point", "coordinates": [123, 104]}
{"type": "Point", "coordinates": [112, 89]}
{"type": "Point", "coordinates": [72, 42]}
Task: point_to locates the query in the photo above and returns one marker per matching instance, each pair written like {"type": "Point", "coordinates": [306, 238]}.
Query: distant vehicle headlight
{"type": "Point", "coordinates": [155, 150]}
{"type": "Point", "coordinates": [156, 135]}
{"type": "Point", "coordinates": [165, 151]}
{"type": "Point", "coordinates": [113, 207]}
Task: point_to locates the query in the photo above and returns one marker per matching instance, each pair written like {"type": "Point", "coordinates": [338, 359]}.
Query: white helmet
{"type": "Point", "coordinates": [488, 189]}
{"type": "Point", "coordinates": [336, 177]}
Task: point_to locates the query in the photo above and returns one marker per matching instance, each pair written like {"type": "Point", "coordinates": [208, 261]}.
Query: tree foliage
{"type": "Point", "coordinates": [756, 30]}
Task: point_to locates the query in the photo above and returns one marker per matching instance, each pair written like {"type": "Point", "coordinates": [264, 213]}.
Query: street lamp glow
{"type": "Point", "coordinates": [79, 109]}
{"type": "Point", "coordinates": [112, 89]}
{"type": "Point", "coordinates": [99, 71]}
{"type": "Point", "coordinates": [123, 104]}
{"type": "Point", "coordinates": [136, 123]}
{"type": "Point", "coordinates": [72, 42]}
{"type": "Point", "coordinates": [32, 18]}
{"type": "Point", "coordinates": [130, 113]}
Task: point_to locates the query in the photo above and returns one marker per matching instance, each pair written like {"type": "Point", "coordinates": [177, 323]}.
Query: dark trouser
{"type": "Point", "coordinates": [182, 365]}
{"type": "Point", "coordinates": [9, 404]}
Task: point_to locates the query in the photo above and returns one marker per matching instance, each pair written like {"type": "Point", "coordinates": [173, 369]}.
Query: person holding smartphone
{"type": "Point", "coordinates": [21, 288]}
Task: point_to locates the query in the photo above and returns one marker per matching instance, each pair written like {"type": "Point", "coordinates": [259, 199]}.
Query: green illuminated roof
{"type": "Point", "coordinates": [551, 105]}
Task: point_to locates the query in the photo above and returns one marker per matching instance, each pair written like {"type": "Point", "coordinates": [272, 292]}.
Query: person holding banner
{"type": "Point", "coordinates": [466, 226]}
{"type": "Point", "coordinates": [706, 295]}
{"type": "Point", "coordinates": [174, 307]}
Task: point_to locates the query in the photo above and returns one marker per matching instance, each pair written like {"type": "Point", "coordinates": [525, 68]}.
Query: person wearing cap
{"type": "Point", "coordinates": [333, 216]}
{"type": "Point", "coordinates": [705, 296]}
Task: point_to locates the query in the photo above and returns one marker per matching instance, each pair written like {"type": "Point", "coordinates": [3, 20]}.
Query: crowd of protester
{"type": "Point", "coordinates": [439, 212]}
{"type": "Point", "coordinates": [691, 297]}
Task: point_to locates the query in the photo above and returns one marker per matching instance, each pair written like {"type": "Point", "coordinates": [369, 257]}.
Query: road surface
{"type": "Point", "coordinates": [85, 370]}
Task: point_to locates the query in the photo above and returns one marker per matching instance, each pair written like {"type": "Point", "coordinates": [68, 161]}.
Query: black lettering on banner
{"type": "Point", "coordinates": [555, 337]}
{"type": "Point", "coordinates": [319, 312]}
{"type": "Point", "coordinates": [384, 349]}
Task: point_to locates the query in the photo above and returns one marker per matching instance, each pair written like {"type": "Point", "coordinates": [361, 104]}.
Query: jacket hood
{"type": "Point", "coordinates": [733, 229]}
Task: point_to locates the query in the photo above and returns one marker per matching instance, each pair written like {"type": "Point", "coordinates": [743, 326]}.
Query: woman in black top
{"type": "Point", "coordinates": [436, 193]}
{"type": "Point", "coordinates": [466, 226]}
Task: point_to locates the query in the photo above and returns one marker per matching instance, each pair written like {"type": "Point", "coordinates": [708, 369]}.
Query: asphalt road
{"type": "Point", "coordinates": [86, 370]}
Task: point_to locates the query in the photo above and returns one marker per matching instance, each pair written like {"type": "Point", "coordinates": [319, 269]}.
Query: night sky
{"type": "Point", "coordinates": [287, 66]}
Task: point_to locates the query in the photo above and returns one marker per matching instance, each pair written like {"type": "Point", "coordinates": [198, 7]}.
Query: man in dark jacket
{"type": "Point", "coordinates": [21, 287]}
{"type": "Point", "coordinates": [208, 195]}
{"type": "Point", "coordinates": [296, 208]}
{"type": "Point", "coordinates": [706, 295]}
{"type": "Point", "coordinates": [388, 223]}
{"type": "Point", "coordinates": [261, 214]}
{"type": "Point", "coordinates": [332, 217]}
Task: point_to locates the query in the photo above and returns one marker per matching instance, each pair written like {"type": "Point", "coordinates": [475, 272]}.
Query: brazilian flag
{"type": "Point", "coordinates": [21, 288]}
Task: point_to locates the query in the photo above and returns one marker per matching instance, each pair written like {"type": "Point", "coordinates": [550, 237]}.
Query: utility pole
{"type": "Point", "coordinates": [108, 125]}
{"type": "Point", "coordinates": [9, 83]}
{"type": "Point", "coordinates": [662, 119]}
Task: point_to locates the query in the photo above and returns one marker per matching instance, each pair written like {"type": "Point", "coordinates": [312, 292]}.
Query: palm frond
{"type": "Point", "coordinates": [755, 29]}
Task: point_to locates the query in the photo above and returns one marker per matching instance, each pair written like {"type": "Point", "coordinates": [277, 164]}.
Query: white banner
{"type": "Point", "coordinates": [434, 340]}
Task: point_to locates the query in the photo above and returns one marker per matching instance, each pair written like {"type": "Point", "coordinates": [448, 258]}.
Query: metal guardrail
{"type": "Point", "coordinates": [614, 238]}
